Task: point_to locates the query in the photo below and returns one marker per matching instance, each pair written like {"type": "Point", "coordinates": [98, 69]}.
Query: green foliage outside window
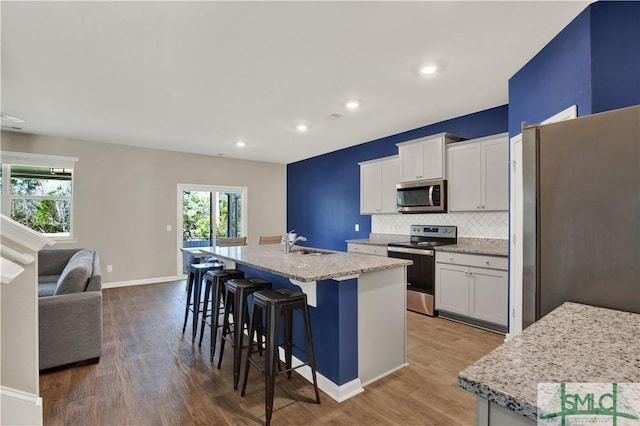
{"type": "Point", "coordinates": [31, 206]}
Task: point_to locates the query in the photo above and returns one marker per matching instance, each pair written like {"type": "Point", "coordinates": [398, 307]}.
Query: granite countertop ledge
{"type": "Point", "coordinates": [305, 267]}
{"type": "Point", "coordinates": [573, 343]}
{"type": "Point", "coordinates": [381, 239]}
{"type": "Point", "coordinates": [485, 246]}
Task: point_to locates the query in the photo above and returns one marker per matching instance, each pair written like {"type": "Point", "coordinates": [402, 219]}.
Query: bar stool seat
{"type": "Point", "coordinates": [278, 304]}
{"type": "Point", "coordinates": [214, 286]}
{"type": "Point", "coordinates": [194, 289]}
{"type": "Point", "coordinates": [236, 295]}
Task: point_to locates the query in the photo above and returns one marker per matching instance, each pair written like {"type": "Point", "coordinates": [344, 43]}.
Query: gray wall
{"type": "Point", "coordinates": [124, 198]}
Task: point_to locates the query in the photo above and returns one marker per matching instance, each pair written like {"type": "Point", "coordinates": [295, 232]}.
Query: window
{"type": "Point", "coordinates": [37, 191]}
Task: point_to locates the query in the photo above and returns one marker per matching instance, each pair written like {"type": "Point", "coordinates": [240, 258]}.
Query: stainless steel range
{"type": "Point", "coordinates": [421, 275]}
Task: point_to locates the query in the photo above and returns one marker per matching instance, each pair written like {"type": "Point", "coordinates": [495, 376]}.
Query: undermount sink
{"type": "Point", "coordinates": [309, 252]}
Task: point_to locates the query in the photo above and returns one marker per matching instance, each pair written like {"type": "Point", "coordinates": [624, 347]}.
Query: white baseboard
{"type": "Point", "coordinates": [386, 373]}
{"type": "Point", "coordinates": [339, 393]}
{"type": "Point", "coordinates": [19, 408]}
{"type": "Point", "coordinates": [116, 284]}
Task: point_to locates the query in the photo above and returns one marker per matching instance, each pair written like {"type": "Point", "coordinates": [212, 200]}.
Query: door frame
{"type": "Point", "coordinates": [516, 222]}
{"type": "Point", "coordinates": [182, 187]}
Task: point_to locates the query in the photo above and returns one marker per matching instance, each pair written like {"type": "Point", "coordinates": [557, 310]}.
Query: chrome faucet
{"type": "Point", "coordinates": [288, 245]}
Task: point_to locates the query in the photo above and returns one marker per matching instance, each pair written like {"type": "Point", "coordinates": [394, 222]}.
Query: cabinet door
{"type": "Point", "coordinates": [496, 175]}
{"type": "Point", "coordinates": [465, 178]}
{"type": "Point", "coordinates": [390, 176]}
{"type": "Point", "coordinates": [432, 159]}
{"type": "Point", "coordinates": [410, 162]}
{"type": "Point", "coordinates": [488, 295]}
{"type": "Point", "coordinates": [370, 197]}
{"type": "Point", "coordinates": [452, 289]}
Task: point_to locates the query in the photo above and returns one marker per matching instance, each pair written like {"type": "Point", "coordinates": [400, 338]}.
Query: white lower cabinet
{"type": "Point", "coordinates": [367, 249]}
{"type": "Point", "coordinates": [473, 288]}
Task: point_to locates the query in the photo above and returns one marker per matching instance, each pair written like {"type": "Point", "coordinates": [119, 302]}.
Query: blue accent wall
{"type": "Point", "coordinates": [593, 63]}
{"type": "Point", "coordinates": [334, 325]}
{"type": "Point", "coordinates": [615, 50]}
{"type": "Point", "coordinates": [323, 193]}
{"type": "Point", "coordinates": [556, 78]}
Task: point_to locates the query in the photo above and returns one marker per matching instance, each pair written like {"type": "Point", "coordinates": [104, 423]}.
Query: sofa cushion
{"type": "Point", "coordinates": [48, 279]}
{"type": "Point", "coordinates": [47, 289]}
{"type": "Point", "coordinates": [76, 274]}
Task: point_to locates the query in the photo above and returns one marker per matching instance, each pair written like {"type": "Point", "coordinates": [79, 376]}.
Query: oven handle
{"type": "Point", "coordinates": [419, 252]}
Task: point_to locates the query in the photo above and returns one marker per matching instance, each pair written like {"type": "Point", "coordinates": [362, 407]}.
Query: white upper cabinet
{"type": "Point", "coordinates": [424, 159]}
{"type": "Point", "coordinates": [478, 174]}
{"type": "Point", "coordinates": [378, 180]}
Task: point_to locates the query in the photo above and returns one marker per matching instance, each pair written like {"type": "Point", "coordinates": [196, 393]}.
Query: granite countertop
{"type": "Point", "coordinates": [305, 267]}
{"type": "Point", "coordinates": [573, 343]}
{"type": "Point", "coordinates": [485, 246]}
{"type": "Point", "coordinates": [381, 239]}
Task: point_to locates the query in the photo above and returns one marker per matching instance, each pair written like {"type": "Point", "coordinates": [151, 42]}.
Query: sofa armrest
{"type": "Point", "coordinates": [70, 328]}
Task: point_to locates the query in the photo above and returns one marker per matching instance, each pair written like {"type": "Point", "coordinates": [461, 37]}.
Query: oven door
{"type": "Point", "coordinates": [420, 278]}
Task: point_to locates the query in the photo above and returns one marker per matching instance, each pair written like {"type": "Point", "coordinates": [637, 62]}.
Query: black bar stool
{"type": "Point", "coordinates": [194, 288]}
{"type": "Point", "coordinates": [214, 285]}
{"type": "Point", "coordinates": [236, 293]}
{"type": "Point", "coordinates": [278, 303]}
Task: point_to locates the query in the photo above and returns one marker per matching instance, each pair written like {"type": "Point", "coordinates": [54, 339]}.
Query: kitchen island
{"type": "Point", "coordinates": [357, 307]}
{"type": "Point", "coordinates": [573, 344]}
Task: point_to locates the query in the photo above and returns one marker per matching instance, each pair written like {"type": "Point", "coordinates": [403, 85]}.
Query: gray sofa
{"type": "Point", "coordinates": [69, 306]}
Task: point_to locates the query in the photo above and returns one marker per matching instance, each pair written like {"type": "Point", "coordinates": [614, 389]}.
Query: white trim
{"type": "Point", "coordinates": [567, 114]}
{"type": "Point", "coordinates": [15, 255]}
{"type": "Point", "coordinates": [339, 393]}
{"type": "Point", "coordinates": [22, 235]}
{"type": "Point", "coordinates": [42, 160]}
{"type": "Point", "coordinates": [19, 407]}
{"type": "Point", "coordinates": [515, 220]}
{"type": "Point", "coordinates": [385, 374]}
{"type": "Point", "coordinates": [9, 270]}
{"type": "Point", "coordinates": [309, 288]}
{"type": "Point", "coordinates": [144, 281]}
{"type": "Point", "coordinates": [346, 277]}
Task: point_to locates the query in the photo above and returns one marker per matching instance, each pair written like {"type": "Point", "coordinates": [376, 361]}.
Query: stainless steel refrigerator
{"type": "Point", "coordinates": [581, 214]}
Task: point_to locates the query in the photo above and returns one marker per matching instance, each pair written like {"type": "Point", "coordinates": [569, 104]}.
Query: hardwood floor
{"type": "Point", "coordinates": [150, 374]}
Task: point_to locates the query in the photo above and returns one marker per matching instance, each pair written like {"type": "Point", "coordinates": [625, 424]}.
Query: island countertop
{"type": "Point", "coordinates": [305, 267]}
{"type": "Point", "coordinates": [573, 343]}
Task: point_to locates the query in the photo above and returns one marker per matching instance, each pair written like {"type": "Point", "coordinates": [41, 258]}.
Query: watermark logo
{"type": "Point", "coordinates": [565, 404]}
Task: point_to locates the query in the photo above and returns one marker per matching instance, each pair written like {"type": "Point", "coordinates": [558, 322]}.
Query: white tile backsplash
{"type": "Point", "coordinates": [470, 224]}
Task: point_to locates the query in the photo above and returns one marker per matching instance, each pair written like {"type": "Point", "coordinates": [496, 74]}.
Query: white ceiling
{"type": "Point", "coordinates": [198, 76]}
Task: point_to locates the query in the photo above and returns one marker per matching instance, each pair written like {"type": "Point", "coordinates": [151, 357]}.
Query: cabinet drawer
{"type": "Point", "coordinates": [367, 249]}
{"type": "Point", "coordinates": [479, 261]}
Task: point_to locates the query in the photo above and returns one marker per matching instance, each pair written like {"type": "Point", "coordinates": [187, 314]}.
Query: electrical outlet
{"type": "Point", "coordinates": [109, 268]}
{"type": "Point", "coordinates": [168, 228]}
{"type": "Point", "coordinates": [357, 227]}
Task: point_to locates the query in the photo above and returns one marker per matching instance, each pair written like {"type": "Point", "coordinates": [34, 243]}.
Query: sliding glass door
{"type": "Point", "coordinates": [208, 213]}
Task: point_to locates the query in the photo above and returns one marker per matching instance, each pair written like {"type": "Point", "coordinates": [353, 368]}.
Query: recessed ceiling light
{"type": "Point", "coordinates": [428, 69]}
{"type": "Point", "coordinates": [240, 144]}
{"type": "Point", "coordinates": [352, 104]}
{"type": "Point", "coordinates": [302, 127]}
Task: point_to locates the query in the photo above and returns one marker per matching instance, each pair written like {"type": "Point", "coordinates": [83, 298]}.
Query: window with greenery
{"type": "Point", "coordinates": [198, 212]}
{"type": "Point", "coordinates": [37, 195]}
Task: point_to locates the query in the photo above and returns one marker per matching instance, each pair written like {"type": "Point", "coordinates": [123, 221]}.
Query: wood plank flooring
{"type": "Point", "coordinates": [151, 374]}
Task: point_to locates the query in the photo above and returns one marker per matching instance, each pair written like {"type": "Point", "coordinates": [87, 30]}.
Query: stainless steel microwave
{"type": "Point", "coordinates": [425, 196]}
